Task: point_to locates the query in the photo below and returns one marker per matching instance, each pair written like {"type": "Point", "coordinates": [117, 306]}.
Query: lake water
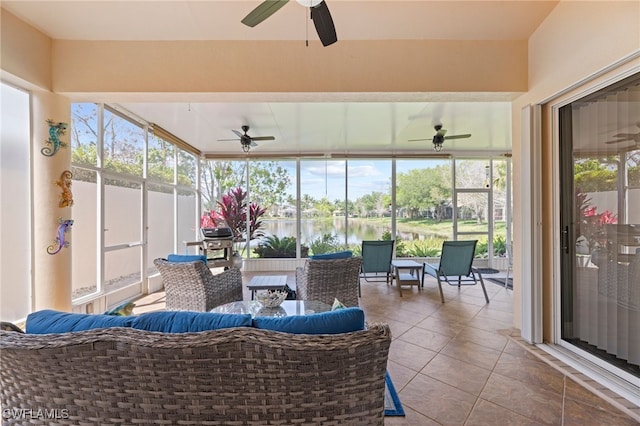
{"type": "Point", "coordinates": [312, 229]}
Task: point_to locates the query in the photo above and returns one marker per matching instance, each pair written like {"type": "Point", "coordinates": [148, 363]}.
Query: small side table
{"type": "Point", "coordinates": [266, 282]}
{"type": "Point", "coordinates": [407, 272]}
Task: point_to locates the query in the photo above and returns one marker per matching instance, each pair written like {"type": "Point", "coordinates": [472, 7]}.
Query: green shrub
{"type": "Point", "coordinates": [499, 245]}
{"type": "Point", "coordinates": [430, 247]}
{"type": "Point", "coordinates": [327, 243]}
{"type": "Point", "coordinates": [274, 247]}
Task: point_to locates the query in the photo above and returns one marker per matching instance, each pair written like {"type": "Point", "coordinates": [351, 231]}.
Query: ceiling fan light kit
{"type": "Point", "coordinates": [320, 15]}
{"type": "Point", "coordinates": [440, 136]}
{"type": "Point", "coordinates": [247, 142]}
{"type": "Point", "coordinates": [309, 3]}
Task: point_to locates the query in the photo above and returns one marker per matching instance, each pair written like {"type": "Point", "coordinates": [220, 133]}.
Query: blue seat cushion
{"type": "Point", "coordinates": [188, 321]}
{"type": "Point", "coordinates": [50, 321]}
{"type": "Point", "coordinates": [337, 255]}
{"type": "Point", "coordinates": [344, 320]}
{"type": "Point", "coordinates": [186, 257]}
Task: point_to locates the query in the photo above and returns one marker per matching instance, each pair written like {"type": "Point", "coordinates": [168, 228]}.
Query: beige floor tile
{"type": "Point", "coordinates": [472, 353]}
{"type": "Point", "coordinates": [484, 338]}
{"type": "Point", "coordinates": [412, 418]}
{"type": "Point", "coordinates": [426, 338]}
{"type": "Point", "coordinates": [580, 414]}
{"type": "Point", "coordinates": [442, 326]}
{"type": "Point", "coordinates": [528, 400]}
{"type": "Point", "coordinates": [411, 356]}
{"type": "Point", "coordinates": [486, 413]}
{"type": "Point", "coordinates": [533, 372]}
{"type": "Point", "coordinates": [459, 374]}
{"type": "Point", "coordinates": [437, 400]}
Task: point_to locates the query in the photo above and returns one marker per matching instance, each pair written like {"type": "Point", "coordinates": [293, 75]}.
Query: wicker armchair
{"type": "Point", "coordinates": [239, 376]}
{"type": "Point", "coordinates": [190, 286]}
{"type": "Point", "coordinates": [329, 279]}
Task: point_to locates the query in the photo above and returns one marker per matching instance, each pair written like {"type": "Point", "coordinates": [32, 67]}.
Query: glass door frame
{"type": "Point", "coordinates": [564, 252]}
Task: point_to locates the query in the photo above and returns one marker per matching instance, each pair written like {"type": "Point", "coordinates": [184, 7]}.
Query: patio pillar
{"type": "Point", "coordinates": [51, 205]}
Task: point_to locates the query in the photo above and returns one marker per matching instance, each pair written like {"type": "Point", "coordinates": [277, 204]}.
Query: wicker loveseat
{"type": "Point", "coordinates": [242, 375]}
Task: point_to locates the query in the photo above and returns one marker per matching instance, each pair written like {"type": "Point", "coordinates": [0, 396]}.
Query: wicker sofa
{"type": "Point", "coordinates": [241, 375]}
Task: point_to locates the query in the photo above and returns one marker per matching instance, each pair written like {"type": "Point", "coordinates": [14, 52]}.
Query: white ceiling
{"type": "Point", "coordinates": [339, 123]}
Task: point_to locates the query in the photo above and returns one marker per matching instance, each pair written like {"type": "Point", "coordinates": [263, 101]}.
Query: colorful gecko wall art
{"type": "Point", "coordinates": [55, 131]}
{"type": "Point", "coordinates": [66, 198]}
{"type": "Point", "coordinates": [60, 241]}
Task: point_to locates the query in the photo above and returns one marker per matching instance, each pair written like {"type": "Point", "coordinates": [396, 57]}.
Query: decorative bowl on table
{"type": "Point", "coordinates": [271, 298]}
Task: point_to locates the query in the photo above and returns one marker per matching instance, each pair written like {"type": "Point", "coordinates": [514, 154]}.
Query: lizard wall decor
{"type": "Point", "coordinates": [60, 241]}
{"type": "Point", "coordinates": [66, 198]}
{"type": "Point", "coordinates": [55, 131]}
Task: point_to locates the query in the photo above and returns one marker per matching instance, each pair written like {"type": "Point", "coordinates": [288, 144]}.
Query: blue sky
{"type": "Point", "coordinates": [320, 178]}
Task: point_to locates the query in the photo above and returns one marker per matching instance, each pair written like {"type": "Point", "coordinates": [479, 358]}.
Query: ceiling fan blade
{"type": "Point", "coordinates": [458, 136]}
{"type": "Point", "coordinates": [419, 140]}
{"type": "Point", "coordinates": [263, 11]}
{"type": "Point", "coordinates": [626, 135]}
{"type": "Point", "coordinates": [324, 24]}
{"type": "Point", "coordinates": [618, 141]}
{"type": "Point", "coordinates": [240, 135]}
{"type": "Point", "coordinates": [263, 138]}
{"type": "Point", "coordinates": [225, 140]}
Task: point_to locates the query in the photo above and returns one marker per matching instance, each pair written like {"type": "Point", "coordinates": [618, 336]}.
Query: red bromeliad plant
{"type": "Point", "coordinates": [591, 224]}
{"type": "Point", "coordinates": [232, 211]}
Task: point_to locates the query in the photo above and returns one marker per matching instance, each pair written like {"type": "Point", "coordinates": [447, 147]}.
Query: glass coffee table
{"type": "Point", "coordinates": [286, 309]}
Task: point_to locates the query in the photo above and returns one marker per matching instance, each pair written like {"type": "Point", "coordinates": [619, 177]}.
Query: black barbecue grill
{"type": "Point", "coordinates": [217, 245]}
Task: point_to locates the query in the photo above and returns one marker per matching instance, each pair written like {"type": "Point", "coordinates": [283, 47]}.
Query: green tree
{"type": "Point", "coordinates": [307, 202]}
{"type": "Point", "coordinates": [419, 189]}
{"type": "Point", "coordinates": [593, 175]}
{"type": "Point", "coordinates": [268, 181]}
{"type": "Point", "coordinates": [324, 207]}
{"type": "Point", "coordinates": [473, 174]}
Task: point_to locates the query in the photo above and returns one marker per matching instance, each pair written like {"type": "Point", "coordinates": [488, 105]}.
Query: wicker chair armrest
{"type": "Point", "coordinates": [301, 283]}
{"type": "Point", "coordinates": [223, 288]}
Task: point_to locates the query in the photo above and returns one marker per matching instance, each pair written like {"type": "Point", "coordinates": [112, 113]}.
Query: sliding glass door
{"type": "Point", "coordinates": [600, 222]}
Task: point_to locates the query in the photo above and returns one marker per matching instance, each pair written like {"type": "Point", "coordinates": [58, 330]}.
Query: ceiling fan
{"type": "Point", "coordinates": [440, 137]}
{"type": "Point", "coordinates": [319, 14]}
{"type": "Point", "coordinates": [624, 137]}
{"type": "Point", "coordinates": [247, 141]}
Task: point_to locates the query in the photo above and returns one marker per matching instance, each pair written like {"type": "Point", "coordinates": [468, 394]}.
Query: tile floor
{"type": "Point", "coordinates": [461, 363]}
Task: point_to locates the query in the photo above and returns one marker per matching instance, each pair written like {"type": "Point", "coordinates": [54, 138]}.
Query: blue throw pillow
{"type": "Point", "coordinates": [188, 321]}
{"type": "Point", "coordinates": [337, 255]}
{"type": "Point", "coordinates": [50, 321]}
{"type": "Point", "coordinates": [186, 257]}
{"type": "Point", "coordinates": [333, 322]}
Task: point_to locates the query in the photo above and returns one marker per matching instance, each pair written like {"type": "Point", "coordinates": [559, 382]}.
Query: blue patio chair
{"type": "Point", "coordinates": [376, 259]}
{"type": "Point", "coordinates": [455, 266]}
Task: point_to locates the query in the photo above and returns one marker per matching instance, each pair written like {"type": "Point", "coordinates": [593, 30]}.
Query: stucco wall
{"type": "Point", "coordinates": [245, 67]}
{"type": "Point", "coordinates": [24, 51]}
